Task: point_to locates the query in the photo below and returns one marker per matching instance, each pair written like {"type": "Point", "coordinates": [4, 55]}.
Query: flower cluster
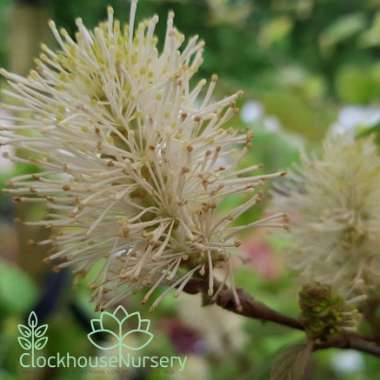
{"type": "Point", "coordinates": [334, 209]}
{"type": "Point", "coordinates": [134, 159]}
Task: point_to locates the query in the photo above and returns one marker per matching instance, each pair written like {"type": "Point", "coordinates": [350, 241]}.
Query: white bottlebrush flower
{"type": "Point", "coordinates": [334, 208]}
{"type": "Point", "coordinates": [131, 157]}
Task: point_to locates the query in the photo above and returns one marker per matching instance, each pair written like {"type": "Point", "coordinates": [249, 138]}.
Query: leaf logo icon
{"type": "Point", "coordinates": [127, 331]}
{"type": "Point", "coordinates": [32, 337]}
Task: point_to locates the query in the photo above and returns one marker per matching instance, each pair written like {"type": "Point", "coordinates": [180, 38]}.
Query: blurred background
{"type": "Point", "coordinates": [307, 68]}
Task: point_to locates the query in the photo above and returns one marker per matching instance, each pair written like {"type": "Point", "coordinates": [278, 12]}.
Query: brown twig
{"type": "Point", "coordinates": [354, 342]}
{"type": "Point", "coordinates": [251, 308]}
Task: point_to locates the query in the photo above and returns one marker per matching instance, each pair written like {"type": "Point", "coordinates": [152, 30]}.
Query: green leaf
{"type": "Point", "coordinates": [354, 84]}
{"type": "Point", "coordinates": [342, 29]}
{"type": "Point", "coordinates": [374, 129]}
{"type": "Point", "coordinates": [370, 37]}
{"type": "Point", "coordinates": [275, 30]}
{"type": "Point", "coordinates": [292, 363]}
{"type": "Point", "coordinates": [4, 375]}
{"type": "Point", "coordinates": [17, 291]}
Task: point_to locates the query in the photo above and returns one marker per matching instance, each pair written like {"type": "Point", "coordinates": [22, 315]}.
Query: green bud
{"type": "Point", "coordinates": [325, 314]}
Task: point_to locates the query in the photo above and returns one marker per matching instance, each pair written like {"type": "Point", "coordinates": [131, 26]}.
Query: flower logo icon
{"type": "Point", "coordinates": [127, 331]}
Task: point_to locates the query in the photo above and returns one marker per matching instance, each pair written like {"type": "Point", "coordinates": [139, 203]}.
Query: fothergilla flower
{"type": "Point", "coordinates": [334, 205]}
{"type": "Point", "coordinates": [134, 160]}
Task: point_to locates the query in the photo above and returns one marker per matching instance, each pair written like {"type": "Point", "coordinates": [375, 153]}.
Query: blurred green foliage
{"type": "Point", "coordinates": [15, 299]}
